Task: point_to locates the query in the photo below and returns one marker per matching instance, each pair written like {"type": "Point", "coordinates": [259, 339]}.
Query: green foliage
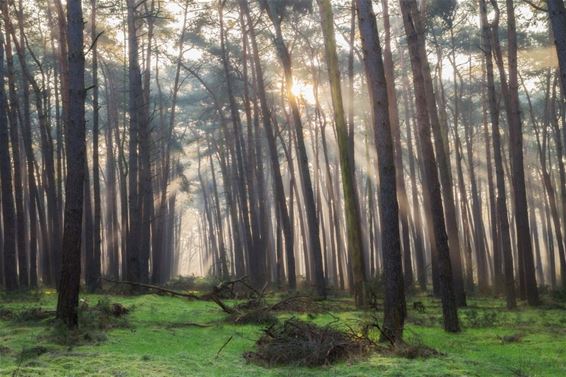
{"type": "Point", "coordinates": [31, 353]}
{"type": "Point", "coordinates": [282, 8]}
{"type": "Point", "coordinates": [32, 315]}
{"type": "Point", "coordinates": [445, 10]}
{"type": "Point", "coordinates": [93, 323]}
{"type": "Point", "coordinates": [158, 342]}
{"type": "Point", "coordinates": [559, 295]}
{"type": "Point", "coordinates": [475, 318]}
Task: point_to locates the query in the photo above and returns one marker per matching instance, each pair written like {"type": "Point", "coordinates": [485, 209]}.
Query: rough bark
{"type": "Point", "coordinates": [394, 304]}
{"type": "Point", "coordinates": [488, 39]}
{"type": "Point", "coordinates": [557, 15]}
{"type": "Point", "coordinates": [524, 242]}
{"type": "Point", "coordinates": [68, 299]}
{"type": "Point", "coordinates": [351, 200]}
{"type": "Point", "coordinates": [8, 209]}
{"type": "Point", "coordinates": [431, 187]}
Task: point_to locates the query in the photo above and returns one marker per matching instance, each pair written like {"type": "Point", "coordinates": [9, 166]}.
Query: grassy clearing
{"type": "Point", "coordinates": [162, 340]}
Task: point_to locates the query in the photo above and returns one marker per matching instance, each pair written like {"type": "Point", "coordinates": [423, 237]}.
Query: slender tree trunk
{"type": "Point", "coordinates": [13, 120]}
{"type": "Point", "coordinates": [396, 131]}
{"type": "Point", "coordinates": [431, 187]}
{"type": "Point", "coordinates": [489, 36]}
{"type": "Point", "coordinates": [95, 268]}
{"type": "Point", "coordinates": [524, 242]}
{"type": "Point", "coordinates": [8, 210]}
{"type": "Point", "coordinates": [394, 304]}
{"type": "Point", "coordinates": [418, 234]}
{"type": "Point", "coordinates": [111, 234]}
{"type": "Point", "coordinates": [302, 158]}
{"type": "Point", "coordinates": [135, 104]}
{"type": "Point", "coordinates": [351, 200]}
{"type": "Point", "coordinates": [279, 192]}
{"type": "Point", "coordinates": [68, 300]}
{"type": "Point", "coordinates": [557, 15]}
{"type": "Point", "coordinates": [495, 238]}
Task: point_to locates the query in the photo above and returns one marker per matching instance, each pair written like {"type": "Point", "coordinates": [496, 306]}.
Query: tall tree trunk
{"type": "Point", "coordinates": [497, 269]}
{"type": "Point", "coordinates": [256, 257]}
{"type": "Point", "coordinates": [145, 183]}
{"type": "Point", "coordinates": [279, 192]}
{"type": "Point", "coordinates": [8, 210]}
{"type": "Point", "coordinates": [111, 233]}
{"type": "Point", "coordinates": [489, 33]}
{"type": "Point", "coordinates": [396, 131]}
{"type": "Point", "coordinates": [524, 242]}
{"type": "Point", "coordinates": [394, 304]}
{"type": "Point", "coordinates": [302, 158]}
{"type": "Point", "coordinates": [351, 200]}
{"type": "Point", "coordinates": [557, 15]}
{"type": "Point", "coordinates": [135, 105]}
{"type": "Point", "coordinates": [68, 300]}
{"type": "Point", "coordinates": [418, 233]}
{"type": "Point", "coordinates": [431, 187]}
{"type": "Point", "coordinates": [442, 143]}
{"type": "Point", "coordinates": [14, 122]}
{"type": "Point", "coordinates": [546, 177]}
{"type": "Point", "coordinates": [93, 282]}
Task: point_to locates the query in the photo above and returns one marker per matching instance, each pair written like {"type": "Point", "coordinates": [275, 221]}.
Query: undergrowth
{"type": "Point", "coordinates": [164, 336]}
{"type": "Point", "coordinates": [94, 322]}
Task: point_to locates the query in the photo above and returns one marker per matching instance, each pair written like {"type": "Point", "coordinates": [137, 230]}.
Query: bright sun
{"type": "Point", "coordinates": [303, 90]}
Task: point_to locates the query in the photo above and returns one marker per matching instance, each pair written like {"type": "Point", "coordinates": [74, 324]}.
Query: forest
{"type": "Point", "coordinates": [282, 188]}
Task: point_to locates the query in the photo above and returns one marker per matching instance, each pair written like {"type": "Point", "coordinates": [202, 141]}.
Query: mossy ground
{"type": "Point", "coordinates": [160, 341]}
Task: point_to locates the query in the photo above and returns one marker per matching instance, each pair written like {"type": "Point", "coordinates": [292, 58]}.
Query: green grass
{"type": "Point", "coordinates": [158, 344]}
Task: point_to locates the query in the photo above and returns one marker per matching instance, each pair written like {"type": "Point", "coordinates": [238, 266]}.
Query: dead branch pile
{"type": "Point", "coordinates": [297, 304]}
{"type": "Point", "coordinates": [34, 314]}
{"type": "Point", "coordinates": [257, 316]}
{"type": "Point", "coordinates": [299, 343]}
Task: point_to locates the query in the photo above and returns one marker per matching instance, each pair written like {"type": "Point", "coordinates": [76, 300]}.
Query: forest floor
{"type": "Point", "coordinates": [160, 339]}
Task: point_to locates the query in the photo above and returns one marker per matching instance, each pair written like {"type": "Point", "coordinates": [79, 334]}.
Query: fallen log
{"type": "Point", "coordinates": [212, 296]}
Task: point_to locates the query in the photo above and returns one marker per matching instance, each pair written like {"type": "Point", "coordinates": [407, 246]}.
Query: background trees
{"type": "Point", "coordinates": [223, 139]}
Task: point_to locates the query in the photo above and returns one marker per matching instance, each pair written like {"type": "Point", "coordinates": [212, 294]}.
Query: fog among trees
{"type": "Point", "coordinates": [396, 154]}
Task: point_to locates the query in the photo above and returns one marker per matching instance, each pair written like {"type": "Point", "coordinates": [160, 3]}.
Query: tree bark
{"type": "Point", "coordinates": [8, 210]}
{"type": "Point", "coordinates": [524, 242]}
{"type": "Point", "coordinates": [302, 158]}
{"type": "Point", "coordinates": [135, 105]}
{"type": "Point", "coordinates": [394, 304]}
{"type": "Point", "coordinates": [431, 187]}
{"type": "Point", "coordinates": [489, 35]}
{"type": "Point", "coordinates": [345, 149]}
{"type": "Point", "coordinates": [68, 299]}
{"type": "Point", "coordinates": [557, 15]}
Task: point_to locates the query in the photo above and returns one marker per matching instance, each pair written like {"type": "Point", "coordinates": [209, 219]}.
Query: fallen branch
{"type": "Point", "coordinates": [213, 296]}
{"type": "Point", "coordinates": [156, 288]}
{"type": "Point", "coordinates": [223, 346]}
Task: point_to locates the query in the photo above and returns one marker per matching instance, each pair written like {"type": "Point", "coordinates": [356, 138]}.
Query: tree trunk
{"type": "Point", "coordinates": [135, 105]}
{"type": "Point", "coordinates": [489, 35]}
{"type": "Point", "coordinates": [394, 304]}
{"type": "Point", "coordinates": [302, 158]}
{"type": "Point", "coordinates": [431, 187]}
{"type": "Point", "coordinates": [94, 277]}
{"type": "Point", "coordinates": [557, 15]}
{"type": "Point", "coordinates": [279, 192]}
{"type": "Point", "coordinates": [351, 200]}
{"type": "Point", "coordinates": [524, 242]}
{"type": "Point", "coordinates": [8, 210]}
{"type": "Point", "coordinates": [68, 300]}
{"type": "Point", "coordinates": [13, 120]}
